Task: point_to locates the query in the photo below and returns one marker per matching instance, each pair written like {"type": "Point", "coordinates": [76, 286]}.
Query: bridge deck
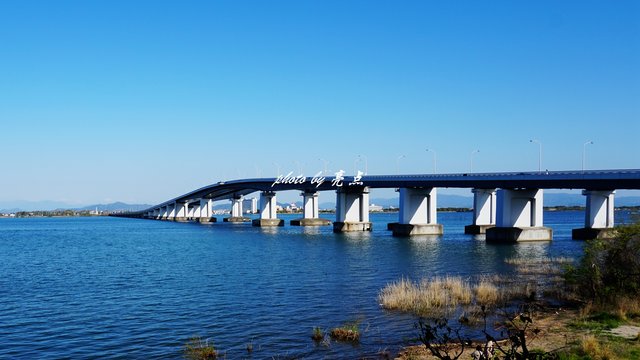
{"type": "Point", "coordinates": [588, 180]}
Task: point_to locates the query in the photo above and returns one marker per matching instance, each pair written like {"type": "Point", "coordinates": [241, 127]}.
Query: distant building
{"type": "Point", "coordinates": [250, 205]}
{"type": "Point", "coordinates": [375, 208]}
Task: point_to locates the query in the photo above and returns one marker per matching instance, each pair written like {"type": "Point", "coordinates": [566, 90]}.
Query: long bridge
{"type": "Point", "coordinates": [507, 206]}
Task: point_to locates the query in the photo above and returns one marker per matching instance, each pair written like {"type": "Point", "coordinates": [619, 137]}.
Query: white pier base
{"type": "Point", "coordinates": [598, 223]}
{"type": "Point", "coordinates": [236, 212]}
{"type": "Point", "coordinates": [352, 210]}
{"type": "Point", "coordinates": [311, 215]}
{"type": "Point", "coordinates": [519, 217]}
{"type": "Point", "coordinates": [418, 213]}
{"type": "Point", "coordinates": [206, 212]}
{"type": "Point", "coordinates": [181, 212]}
{"type": "Point", "coordinates": [484, 211]}
{"type": "Point", "coordinates": [268, 213]}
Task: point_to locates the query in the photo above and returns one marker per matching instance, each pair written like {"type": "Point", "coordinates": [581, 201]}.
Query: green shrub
{"type": "Point", "coordinates": [610, 268]}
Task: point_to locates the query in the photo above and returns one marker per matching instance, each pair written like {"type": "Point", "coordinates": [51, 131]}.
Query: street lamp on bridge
{"type": "Point", "coordinates": [326, 164]}
{"type": "Point", "coordinates": [366, 163]}
{"type": "Point", "coordinates": [584, 153]}
{"type": "Point", "coordinates": [539, 153]}
{"type": "Point", "coordinates": [435, 170]}
{"type": "Point", "coordinates": [473, 153]}
{"type": "Point", "coordinates": [398, 163]}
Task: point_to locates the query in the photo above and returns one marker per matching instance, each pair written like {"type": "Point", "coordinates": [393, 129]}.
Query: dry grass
{"type": "Point", "coordinates": [429, 296]}
{"type": "Point", "coordinates": [486, 292]}
{"type": "Point", "coordinates": [590, 346]}
{"type": "Point", "coordinates": [443, 295]}
{"type": "Point", "coordinates": [627, 307]}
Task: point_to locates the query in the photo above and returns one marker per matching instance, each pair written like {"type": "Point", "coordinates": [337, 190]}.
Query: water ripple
{"type": "Point", "coordinates": [120, 288]}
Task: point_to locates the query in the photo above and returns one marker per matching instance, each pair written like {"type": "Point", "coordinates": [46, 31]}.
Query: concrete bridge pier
{"type": "Point", "coordinates": [171, 212]}
{"type": "Point", "coordinates": [237, 216]}
{"type": "Point", "coordinates": [311, 214]}
{"type": "Point", "coordinates": [598, 222]}
{"type": "Point", "coordinates": [268, 212]}
{"type": "Point", "coordinates": [163, 213]}
{"type": "Point", "coordinates": [352, 209]}
{"type": "Point", "coordinates": [206, 211]}
{"type": "Point", "coordinates": [484, 211]}
{"type": "Point", "coordinates": [180, 211]}
{"type": "Point", "coordinates": [519, 217]}
{"type": "Point", "coordinates": [418, 213]}
{"type": "Point", "coordinates": [192, 212]}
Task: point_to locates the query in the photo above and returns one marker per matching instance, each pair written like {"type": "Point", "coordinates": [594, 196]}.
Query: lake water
{"type": "Point", "coordinates": [128, 288]}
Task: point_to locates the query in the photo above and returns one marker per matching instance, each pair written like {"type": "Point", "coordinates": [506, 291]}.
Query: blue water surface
{"type": "Point", "coordinates": [127, 288]}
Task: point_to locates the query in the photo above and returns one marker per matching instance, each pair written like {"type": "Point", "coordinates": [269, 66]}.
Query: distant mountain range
{"type": "Point", "coordinates": [444, 200]}
{"type": "Point", "coordinates": [15, 206]}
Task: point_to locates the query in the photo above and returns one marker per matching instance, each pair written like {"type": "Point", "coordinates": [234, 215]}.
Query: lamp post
{"type": "Point", "coordinates": [277, 169]}
{"type": "Point", "coordinates": [539, 153]}
{"type": "Point", "coordinates": [435, 170]}
{"type": "Point", "coordinates": [398, 164]}
{"type": "Point", "coordinates": [326, 163]}
{"type": "Point", "coordinates": [473, 153]}
{"type": "Point", "coordinates": [584, 153]}
{"type": "Point", "coordinates": [366, 163]}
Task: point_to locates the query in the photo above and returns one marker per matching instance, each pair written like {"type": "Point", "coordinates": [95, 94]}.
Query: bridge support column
{"type": "Point", "coordinates": [163, 213]}
{"type": "Point", "coordinates": [191, 213]}
{"type": "Point", "coordinates": [418, 213]}
{"type": "Point", "coordinates": [171, 212]}
{"type": "Point", "coordinates": [484, 211]}
{"type": "Point", "coordinates": [268, 213]}
{"type": "Point", "coordinates": [206, 213]}
{"type": "Point", "coordinates": [519, 217]}
{"type": "Point", "coordinates": [181, 212]}
{"type": "Point", "coordinates": [237, 216]}
{"type": "Point", "coordinates": [352, 210]}
{"type": "Point", "coordinates": [311, 214]}
{"type": "Point", "coordinates": [598, 222]}
{"type": "Point", "coordinates": [197, 211]}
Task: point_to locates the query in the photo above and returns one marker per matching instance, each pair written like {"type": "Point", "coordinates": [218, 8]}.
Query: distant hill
{"type": "Point", "coordinates": [15, 206]}
{"type": "Point", "coordinates": [116, 206]}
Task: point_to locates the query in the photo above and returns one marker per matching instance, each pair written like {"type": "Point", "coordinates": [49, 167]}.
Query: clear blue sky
{"type": "Point", "coordinates": [141, 101]}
